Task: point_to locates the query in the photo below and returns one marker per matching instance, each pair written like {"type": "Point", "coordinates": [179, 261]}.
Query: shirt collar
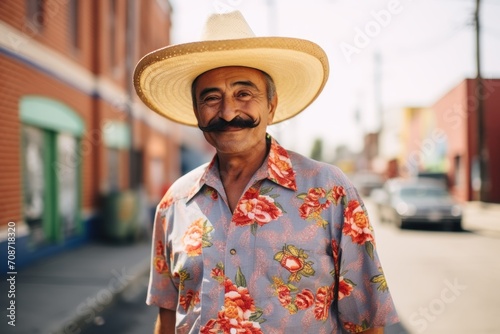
{"type": "Point", "coordinates": [277, 168]}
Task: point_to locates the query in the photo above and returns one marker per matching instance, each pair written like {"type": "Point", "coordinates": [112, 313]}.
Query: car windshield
{"type": "Point", "coordinates": [423, 193]}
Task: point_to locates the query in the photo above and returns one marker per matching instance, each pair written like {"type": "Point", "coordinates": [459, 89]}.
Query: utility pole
{"type": "Point", "coordinates": [272, 17]}
{"type": "Point", "coordinates": [377, 89]}
{"type": "Point", "coordinates": [482, 149]}
{"type": "Point", "coordinates": [376, 152]}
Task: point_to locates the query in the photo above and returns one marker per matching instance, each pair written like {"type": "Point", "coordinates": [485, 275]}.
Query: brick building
{"type": "Point", "coordinates": [443, 139]}
{"type": "Point", "coordinates": [76, 144]}
{"type": "Point", "coordinates": [456, 117]}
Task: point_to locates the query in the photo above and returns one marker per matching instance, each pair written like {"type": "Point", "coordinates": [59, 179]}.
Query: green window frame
{"type": "Point", "coordinates": [54, 118]}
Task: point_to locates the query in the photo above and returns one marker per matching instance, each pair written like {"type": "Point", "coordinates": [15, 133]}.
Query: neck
{"type": "Point", "coordinates": [241, 166]}
{"type": "Point", "coordinates": [236, 171]}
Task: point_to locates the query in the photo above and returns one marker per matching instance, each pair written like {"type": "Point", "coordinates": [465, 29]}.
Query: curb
{"type": "Point", "coordinates": [483, 218]}
{"type": "Point", "coordinates": [86, 311]}
{"type": "Point", "coordinates": [490, 208]}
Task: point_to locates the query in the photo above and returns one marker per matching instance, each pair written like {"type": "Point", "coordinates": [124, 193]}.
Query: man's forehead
{"type": "Point", "coordinates": [228, 71]}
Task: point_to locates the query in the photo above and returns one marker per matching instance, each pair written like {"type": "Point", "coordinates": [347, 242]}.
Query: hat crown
{"type": "Point", "coordinates": [230, 25]}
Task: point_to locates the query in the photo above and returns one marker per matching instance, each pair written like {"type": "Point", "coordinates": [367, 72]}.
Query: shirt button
{"type": "Point", "coordinates": [232, 251]}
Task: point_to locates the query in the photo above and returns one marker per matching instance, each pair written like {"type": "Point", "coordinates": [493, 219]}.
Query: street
{"type": "Point", "coordinates": [441, 282]}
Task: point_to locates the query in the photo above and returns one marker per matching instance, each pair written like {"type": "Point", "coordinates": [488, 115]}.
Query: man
{"type": "Point", "coordinates": [260, 240]}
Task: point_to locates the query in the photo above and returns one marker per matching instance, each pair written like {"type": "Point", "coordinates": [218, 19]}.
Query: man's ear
{"type": "Point", "coordinates": [272, 108]}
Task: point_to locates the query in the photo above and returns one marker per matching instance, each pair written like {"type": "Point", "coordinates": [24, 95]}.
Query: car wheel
{"type": "Point", "coordinates": [454, 226]}
{"type": "Point", "coordinates": [458, 226]}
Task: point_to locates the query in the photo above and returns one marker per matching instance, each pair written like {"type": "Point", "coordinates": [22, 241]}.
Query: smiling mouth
{"type": "Point", "coordinates": [232, 129]}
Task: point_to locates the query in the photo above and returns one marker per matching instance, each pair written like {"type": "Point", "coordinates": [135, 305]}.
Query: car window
{"type": "Point", "coordinates": [423, 192]}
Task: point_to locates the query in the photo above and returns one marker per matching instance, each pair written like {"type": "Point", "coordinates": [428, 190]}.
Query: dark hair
{"type": "Point", "coordinates": [270, 87]}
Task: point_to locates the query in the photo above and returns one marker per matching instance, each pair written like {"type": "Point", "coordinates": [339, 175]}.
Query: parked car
{"type": "Point", "coordinates": [366, 182]}
{"type": "Point", "coordinates": [418, 201]}
{"type": "Point", "coordinates": [439, 177]}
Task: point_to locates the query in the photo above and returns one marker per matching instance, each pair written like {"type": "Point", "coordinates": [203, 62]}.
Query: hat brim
{"type": "Point", "coordinates": [299, 68]}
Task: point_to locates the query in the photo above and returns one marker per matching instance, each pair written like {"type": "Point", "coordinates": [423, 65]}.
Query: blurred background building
{"type": "Point", "coordinates": [456, 117]}
{"type": "Point", "coordinates": [441, 141]}
{"type": "Point", "coordinates": [81, 158]}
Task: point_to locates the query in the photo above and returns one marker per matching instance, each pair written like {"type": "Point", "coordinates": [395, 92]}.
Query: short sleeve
{"type": "Point", "coordinates": [162, 291]}
{"type": "Point", "coordinates": [363, 297]}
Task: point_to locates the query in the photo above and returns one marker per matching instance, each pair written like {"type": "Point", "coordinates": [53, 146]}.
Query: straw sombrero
{"type": "Point", "coordinates": [299, 68]}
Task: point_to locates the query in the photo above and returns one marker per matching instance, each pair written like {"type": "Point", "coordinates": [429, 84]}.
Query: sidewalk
{"type": "Point", "coordinates": [64, 293]}
{"type": "Point", "coordinates": [483, 218]}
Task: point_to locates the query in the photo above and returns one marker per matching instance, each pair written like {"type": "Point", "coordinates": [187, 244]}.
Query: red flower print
{"type": "Point", "coordinates": [190, 299]}
{"type": "Point", "coordinates": [192, 238]}
{"type": "Point", "coordinates": [324, 297]}
{"type": "Point", "coordinates": [353, 328]}
{"type": "Point", "coordinates": [235, 315]}
{"type": "Point", "coordinates": [159, 261]}
{"type": "Point", "coordinates": [166, 202]}
{"type": "Point", "coordinates": [218, 274]}
{"type": "Point", "coordinates": [345, 288]}
{"type": "Point", "coordinates": [237, 296]}
{"type": "Point", "coordinates": [255, 208]}
{"type": "Point", "coordinates": [249, 327]}
{"type": "Point", "coordinates": [356, 224]}
{"type": "Point", "coordinates": [337, 193]}
{"type": "Point", "coordinates": [280, 167]}
{"type": "Point", "coordinates": [209, 327]}
{"type": "Point", "coordinates": [315, 201]}
{"type": "Point", "coordinates": [231, 309]}
{"type": "Point", "coordinates": [312, 205]}
{"type": "Point", "coordinates": [290, 299]}
{"type": "Point", "coordinates": [230, 326]}
{"type": "Point", "coordinates": [335, 252]}
{"type": "Point", "coordinates": [284, 295]}
{"type": "Point", "coordinates": [213, 193]}
{"type": "Point", "coordinates": [160, 264]}
{"type": "Point", "coordinates": [305, 299]}
{"type": "Point", "coordinates": [295, 261]}
{"type": "Point", "coordinates": [160, 249]}
{"type": "Point", "coordinates": [197, 237]}
{"type": "Point", "coordinates": [292, 263]}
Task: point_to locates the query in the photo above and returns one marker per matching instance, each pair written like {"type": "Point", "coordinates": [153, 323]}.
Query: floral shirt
{"type": "Point", "coordinates": [297, 255]}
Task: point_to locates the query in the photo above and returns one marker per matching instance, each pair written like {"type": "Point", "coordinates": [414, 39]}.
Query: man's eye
{"type": "Point", "coordinates": [243, 94]}
{"type": "Point", "coordinates": [211, 99]}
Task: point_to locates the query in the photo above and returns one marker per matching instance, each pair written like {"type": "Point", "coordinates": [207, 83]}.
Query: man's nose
{"type": "Point", "coordinates": [229, 109]}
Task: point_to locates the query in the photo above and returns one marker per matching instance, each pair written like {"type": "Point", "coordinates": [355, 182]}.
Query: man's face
{"type": "Point", "coordinates": [236, 95]}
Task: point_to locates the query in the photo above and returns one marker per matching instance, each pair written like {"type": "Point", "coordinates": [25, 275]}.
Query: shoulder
{"type": "Point", "coordinates": [313, 172]}
{"type": "Point", "coordinates": [185, 185]}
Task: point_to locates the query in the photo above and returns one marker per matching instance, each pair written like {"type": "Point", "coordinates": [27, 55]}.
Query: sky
{"type": "Point", "coordinates": [387, 53]}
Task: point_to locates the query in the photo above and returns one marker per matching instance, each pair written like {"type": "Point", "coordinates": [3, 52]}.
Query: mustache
{"type": "Point", "coordinates": [237, 122]}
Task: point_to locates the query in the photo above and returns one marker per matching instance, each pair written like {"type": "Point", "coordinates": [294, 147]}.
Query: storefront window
{"type": "Point", "coordinates": [67, 175]}
{"type": "Point", "coordinates": [51, 159]}
{"type": "Point", "coordinates": [34, 181]}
